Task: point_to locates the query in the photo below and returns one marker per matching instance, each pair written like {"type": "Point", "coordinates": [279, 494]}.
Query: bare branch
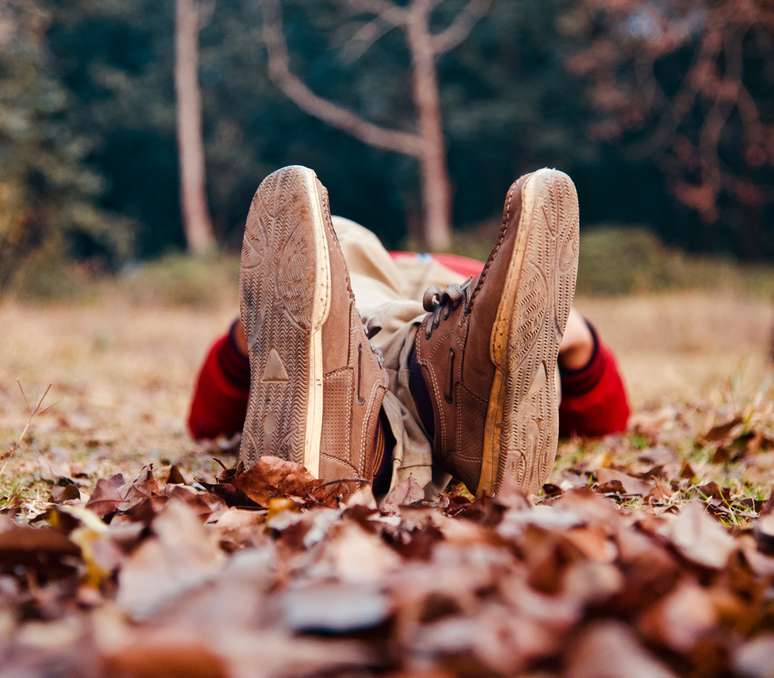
{"type": "Point", "coordinates": [459, 29]}
{"type": "Point", "coordinates": [364, 38]}
{"type": "Point", "coordinates": [384, 9]}
{"type": "Point", "coordinates": [299, 92]}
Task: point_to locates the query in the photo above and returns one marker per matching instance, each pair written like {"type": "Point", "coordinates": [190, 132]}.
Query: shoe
{"type": "Point", "coordinates": [487, 350]}
{"type": "Point", "coordinates": [316, 386]}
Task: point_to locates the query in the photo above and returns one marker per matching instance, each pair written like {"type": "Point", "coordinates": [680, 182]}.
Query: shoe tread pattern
{"type": "Point", "coordinates": [277, 279]}
{"type": "Point", "coordinates": [543, 299]}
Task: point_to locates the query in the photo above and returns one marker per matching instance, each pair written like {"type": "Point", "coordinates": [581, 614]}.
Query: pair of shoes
{"type": "Point", "coordinates": [484, 356]}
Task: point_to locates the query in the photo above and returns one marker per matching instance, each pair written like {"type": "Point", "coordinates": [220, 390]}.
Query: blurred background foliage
{"type": "Point", "coordinates": [89, 171]}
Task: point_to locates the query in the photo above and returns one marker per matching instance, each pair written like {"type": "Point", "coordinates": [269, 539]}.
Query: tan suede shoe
{"type": "Point", "coordinates": [488, 350]}
{"type": "Point", "coordinates": [316, 387]}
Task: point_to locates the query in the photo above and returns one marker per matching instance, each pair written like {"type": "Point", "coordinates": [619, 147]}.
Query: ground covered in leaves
{"type": "Point", "coordinates": [126, 550]}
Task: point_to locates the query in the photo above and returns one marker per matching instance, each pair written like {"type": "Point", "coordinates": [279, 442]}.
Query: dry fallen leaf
{"type": "Point", "coordinates": [607, 478]}
{"type": "Point", "coordinates": [764, 533]}
{"type": "Point", "coordinates": [681, 619]}
{"type": "Point", "coordinates": [272, 477]}
{"type": "Point", "coordinates": [107, 495]}
{"type": "Point", "coordinates": [611, 650]}
{"type": "Point", "coordinates": [180, 557]}
{"type": "Point", "coordinates": [699, 538]}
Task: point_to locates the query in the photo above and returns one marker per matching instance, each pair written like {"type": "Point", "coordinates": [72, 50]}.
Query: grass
{"type": "Point", "coordinates": [624, 260]}
{"type": "Point", "coordinates": [615, 261]}
{"type": "Point", "coordinates": [122, 373]}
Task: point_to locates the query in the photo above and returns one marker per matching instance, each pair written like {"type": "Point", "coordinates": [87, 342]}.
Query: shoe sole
{"type": "Point", "coordinates": [285, 285]}
{"type": "Point", "coordinates": [522, 427]}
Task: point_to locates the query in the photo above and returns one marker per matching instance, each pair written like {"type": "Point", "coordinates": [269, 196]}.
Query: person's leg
{"type": "Point", "coordinates": [479, 380]}
{"type": "Point", "coordinates": [394, 318]}
{"type": "Point", "coordinates": [390, 316]}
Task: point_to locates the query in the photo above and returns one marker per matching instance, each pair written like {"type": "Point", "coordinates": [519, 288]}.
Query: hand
{"type": "Point", "coordinates": [577, 346]}
{"type": "Point", "coordinates": [240, 337]}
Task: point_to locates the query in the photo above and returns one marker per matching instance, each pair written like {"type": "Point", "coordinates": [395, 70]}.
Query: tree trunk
{"type": "Point", "coordinates": [193, 196]}
{"type": "Point", "coordinates": [436, 188]}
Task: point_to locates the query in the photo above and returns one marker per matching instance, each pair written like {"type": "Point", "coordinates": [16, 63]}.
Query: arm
{"type": "Point", "coordinates": [594, 401]}
{"type": "Point", "coordinates": [219, 402]}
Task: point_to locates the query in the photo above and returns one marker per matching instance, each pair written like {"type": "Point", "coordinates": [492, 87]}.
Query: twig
{"type": "Point", "coordinates": [18, 442]}
{"type": "Point", "coordinates": [35, 411]}
{"type": "Point", "coordinates": [24, 395]}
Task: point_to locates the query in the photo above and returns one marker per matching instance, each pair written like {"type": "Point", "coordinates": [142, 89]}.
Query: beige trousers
{"type": "Point", "coordinates": [388, 294]}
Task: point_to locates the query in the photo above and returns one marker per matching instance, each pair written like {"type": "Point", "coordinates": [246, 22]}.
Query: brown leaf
{"type": "Point", "coordinates": [661, 492]}
{"type": "Point", "coordinates": [551, 490]}
{"type": "Point", "coordinates": [720, 432]}
{"type": "Point", "coordinates": [591, 507]}
{"type": "Point", "coordinates": [334, 608]}
{"type": "Point", "coordinates": [23, 544]}
{"type": "Point", "coordinates": [229, 494]}
{"type": "Point", "coordinates": [712, 489]}
{"type": "Point", "coordinates": [680, 620]}
{"type": "Point", "coordinates": [760, 563]}
{"type": "Point", "coordinates": [180, 557]}
{"type": "Point", "coordinates": [592, 582]}
{"type": "Point", "coordinates": [699, 538]}
{"type": "Point", "coordinates": [763, 529]}
{"type": "Point", "coordinates": [660, 456]}
{"type": "Point", "coordinates": [142, 488]}
{"type": "Point", "coordinates": [175, 476]}
{"type": "Point", "coordinates": [202, 503]}
{"type": "Point", "coordinates": [106, 496]}
{"type": "Point", "coordinates": [62, 493]}
{"type": "Point", "coordinates": [755, 659]}
{"type": "Point", "coordinates": [593, 543]}
{"type": "Point", "coordinates": [350, 554]}
{"type": "Point", "coordinates": [150, 659]}
{"type": "Point", "coordinates": [611, 650]}
{"type": "Point", "coordinates": [274, 477]}
{"type": "Point", "coordinates": [630, 484]}
{"type": "Point", "coordinates": [687, 472]}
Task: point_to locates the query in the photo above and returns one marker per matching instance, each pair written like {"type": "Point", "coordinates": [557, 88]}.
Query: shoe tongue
{"type": "Point", "coordinates": [384, 448]}
{"type": "Point", "coordinates": [421, 395]}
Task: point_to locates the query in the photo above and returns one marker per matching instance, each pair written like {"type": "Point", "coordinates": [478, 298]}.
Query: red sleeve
{"type": "Point", "coordinates": [594, 401]}
{"type": "Point", "coordinates": [219, 403]}
{"type": "Point", "coordinates": [464, 266]}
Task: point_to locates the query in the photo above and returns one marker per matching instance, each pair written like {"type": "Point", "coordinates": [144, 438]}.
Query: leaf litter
{"type": "Point", "coordinates": [647, 554]}
{"type": "Point", "coordinates": [271, 572]}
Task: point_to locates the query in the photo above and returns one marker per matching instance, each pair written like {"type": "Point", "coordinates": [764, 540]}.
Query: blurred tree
{"type": "Point", "coordinates": [47, 195]}
{"type": "Point", "coordinates": [689, 85]}
{"type": "Point", "coordinates": [116, 60]}
{"type": "Point", "coordinates": [193, 196]}
{"type": "Point", "coordinates": [508, 101]}
{"type": "Point", "coordinates": [426, 144]}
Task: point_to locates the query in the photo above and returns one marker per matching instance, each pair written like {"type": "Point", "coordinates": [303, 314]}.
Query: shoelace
{"type": "Point", "coordinates": [379, 355]}
{"type": "Point", "coordinates": [371, 331]}
{"type": "Point", "coordinates": [442, 302]}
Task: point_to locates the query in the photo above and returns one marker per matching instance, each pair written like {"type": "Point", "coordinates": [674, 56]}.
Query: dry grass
{"type": "Point", "coordinates": [121, 377]}
{"type": "Point", "coordinates": [682, 347]}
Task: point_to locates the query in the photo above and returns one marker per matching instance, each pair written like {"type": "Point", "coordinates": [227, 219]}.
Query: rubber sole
{"type": "Point", "coordinates": [285, 294]}
{"type": "Point", "coordinates": [522, 425]}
